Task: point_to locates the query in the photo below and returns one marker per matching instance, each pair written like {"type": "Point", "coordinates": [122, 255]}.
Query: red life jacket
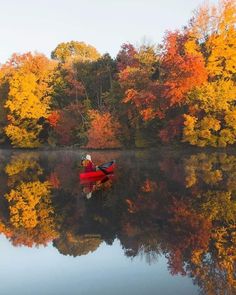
{"type": "Point", "coordinates": [89, 167]}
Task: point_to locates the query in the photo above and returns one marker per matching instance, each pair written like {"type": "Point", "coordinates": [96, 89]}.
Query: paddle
{"type": "Point", "coordinates": [104, 166]}
{"type": "Point", "coordinates": [103, 170]}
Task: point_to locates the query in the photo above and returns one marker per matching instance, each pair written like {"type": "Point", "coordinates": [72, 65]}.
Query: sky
{"type": "Point", "coordinates": [30, 25]}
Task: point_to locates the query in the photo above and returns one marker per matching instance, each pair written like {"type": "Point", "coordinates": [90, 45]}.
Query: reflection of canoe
{"type": "Point", "coordinates": [104, 169]}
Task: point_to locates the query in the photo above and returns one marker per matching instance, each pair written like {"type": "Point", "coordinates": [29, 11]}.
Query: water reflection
{"type": "Point", "coordinates": [182, 206]}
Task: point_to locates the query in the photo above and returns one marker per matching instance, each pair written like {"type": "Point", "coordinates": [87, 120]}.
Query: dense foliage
{"type": "Point", "coordinates": [182, 90]}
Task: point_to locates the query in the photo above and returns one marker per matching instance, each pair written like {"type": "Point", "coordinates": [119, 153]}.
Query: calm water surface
{"type": "Point", "coordinates": [164, 223]}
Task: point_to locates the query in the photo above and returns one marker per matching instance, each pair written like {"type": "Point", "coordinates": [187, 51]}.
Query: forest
{"type": "Point", "coordinates": [181, 91]}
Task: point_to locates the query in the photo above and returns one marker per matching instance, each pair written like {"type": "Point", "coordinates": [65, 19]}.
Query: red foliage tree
{"type": "Point", "coordinates": [172, 129]}
{"type": "Point", "coordinates": [126, 57]}
{"type": "Point", "coordinates": [71, 124]}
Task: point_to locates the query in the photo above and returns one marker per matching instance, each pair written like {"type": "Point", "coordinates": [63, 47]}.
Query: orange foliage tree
{"type": "Point", "coordinates": [138, 69]}
{"type": "Point", "coordinates": [140, 90]}
{"type": "Point", "coordinates": [104, 131]}
{"type": "Point", "coordinates": [182, 68]}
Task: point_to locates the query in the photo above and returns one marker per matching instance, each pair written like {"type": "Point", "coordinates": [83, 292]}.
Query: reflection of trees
{"type": "Point", "coordinates": [193, 201]}
{"type": "Point", "coordinates": [182, 207]}
{"type": "Point", "coordinates": [211, 179]}
{"type": "Point", "coordinates": [214, 272]}
{"type": "Point", "coordinates": [210, 186]}
{"type": "Point", "coordinates": [63, 174]}
{"type": "Point", "coordinates": [85, 223]}
{"type": "Point", "coordinates": [77, 245]}
{"type": "Point", "coordinates": [211, 169]}
{"type": "Point", "coordinates": [156, 210]}
{"type": "Point", "coordinates": [30, 208]}
{"type": "Point", "coordinates": [138, 242]}
{"type": "Point", "coordinates": [28, 204]}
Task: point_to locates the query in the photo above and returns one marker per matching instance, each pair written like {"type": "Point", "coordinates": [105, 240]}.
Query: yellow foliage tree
{"type": "Point", "coordinates": [211, 119]}
{"type": "Point", "coordinates": [221, 44]}
{"type": "Point", "coordinates": [28, 98]}
{"type": "Point", "coordinates": [214, 28]}
{"type": "Point", "coordinates": [75, 51]}
{"type": "Point", "coordinates": [214, 120]}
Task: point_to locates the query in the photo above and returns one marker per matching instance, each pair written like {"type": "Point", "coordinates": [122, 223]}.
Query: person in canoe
{"type": "Point", "coordinates": [88, 164]}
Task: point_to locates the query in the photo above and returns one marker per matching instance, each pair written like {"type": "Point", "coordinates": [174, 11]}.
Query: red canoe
{"type": "Point", "coordinates": [97, 179]}
{"type": "Point", "coordinates": [104, 169]}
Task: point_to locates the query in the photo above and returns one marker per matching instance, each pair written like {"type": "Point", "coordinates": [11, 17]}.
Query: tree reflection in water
{"type": "Point", "coordinates": [182, 206]}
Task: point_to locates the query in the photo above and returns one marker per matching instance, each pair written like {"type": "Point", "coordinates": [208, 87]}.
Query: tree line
{"type": "Point", "coordinates": [180, 91]}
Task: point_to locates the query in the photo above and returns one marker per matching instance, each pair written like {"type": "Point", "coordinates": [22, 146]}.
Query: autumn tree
{"type": "Point", "coordinates": [127, 57]}
{"type": "Point", "coordinates": [214, 27]}
{"type": "Point", "coordinates": [28, 98]}
{"type": "Point", "coordinates": [74, 50]}
{"type": "Point", "coordinates": [5, 75]}
{"type": "Point", "coordinates": [81, 83]}
{"type": "Point", "coordinates": [104, 131]}
{"type": "Point", "coordinates": [69, 125]}
{"type": "Point", "coordinates": [211, 117]}
{"type": "Point", "coordinates": [137, 78]}
{"type": "Point", "coordinates": [182, 68]}
{"type": "Point", "coordinates": [136, 81]}
{"type": "Point", "coordinates": [67, 88]}
{"type": "Point", "coordinates": [98, 80]}
{"type": "Point", "coordinates": [74, 63]}
{"type": "Point", "coordinates": [213, 120]}
{"type": "Point", "coordinates": [90, 81]}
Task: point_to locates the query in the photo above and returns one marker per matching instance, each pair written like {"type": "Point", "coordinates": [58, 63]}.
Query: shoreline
{"type": "Point", "coordinates": [173, 148]}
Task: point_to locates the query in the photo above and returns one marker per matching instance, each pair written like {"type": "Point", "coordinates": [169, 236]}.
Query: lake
{"type": "Point", "coordinates": [163, 223]}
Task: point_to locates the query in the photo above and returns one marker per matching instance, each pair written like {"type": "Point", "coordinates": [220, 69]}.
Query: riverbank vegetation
{"type": "Point", "coordinates": [182, 90]}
